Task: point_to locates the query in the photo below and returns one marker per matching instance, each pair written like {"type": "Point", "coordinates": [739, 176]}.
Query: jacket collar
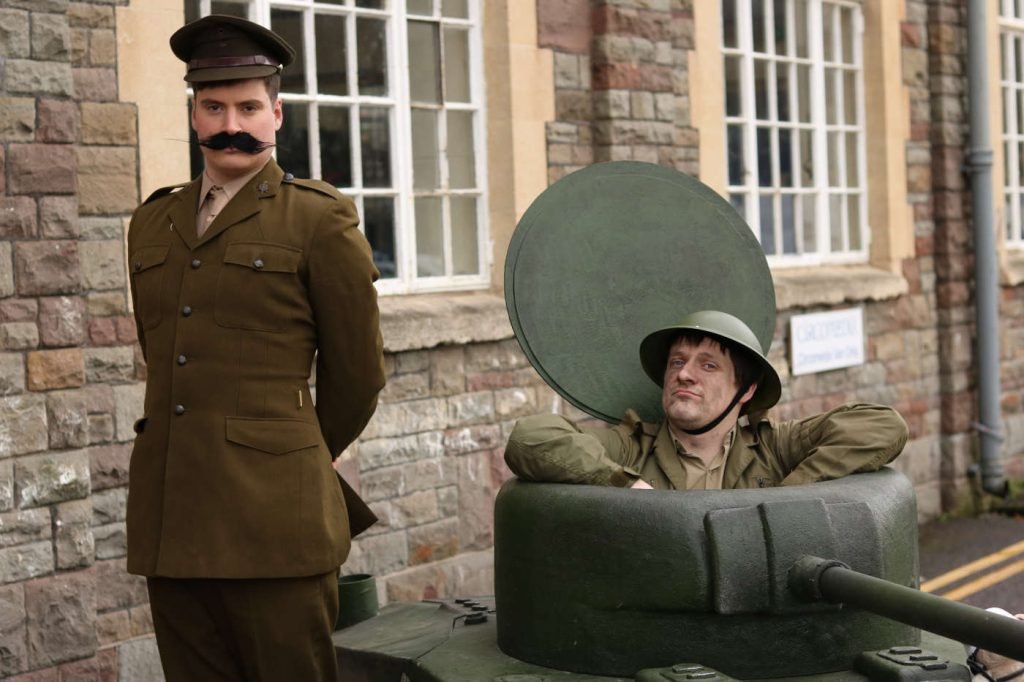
{"type": "Point", "coordinates": [263, 185]}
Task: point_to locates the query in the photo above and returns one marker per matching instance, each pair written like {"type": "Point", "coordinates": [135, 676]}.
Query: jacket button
{"type": "Point", "coordinates": [182, 359]}
{"type": "Point", "coordinates": [137, 265]}
{"type": "Point", "coordinates": [288, 177]}
{"type": "Point", "coordinates": [179, 410]}
{"type": "Point", "coordinates": [195, 263]}
{"type": "Point", "coordinates": [258, 263]}
{"type": "Point", "coordinates": [186, 311]}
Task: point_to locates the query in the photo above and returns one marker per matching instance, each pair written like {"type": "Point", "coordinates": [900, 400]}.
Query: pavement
{"type": "Point", "coordinates": [977, 561]}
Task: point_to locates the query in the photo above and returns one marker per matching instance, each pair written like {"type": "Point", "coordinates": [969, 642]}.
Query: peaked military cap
{"type": "Point", "coordinates": [221, 47]}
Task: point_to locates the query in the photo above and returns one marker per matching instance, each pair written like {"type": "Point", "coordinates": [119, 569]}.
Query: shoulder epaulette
{"type": "Point", "coordinates": [315, 185]}
{"type": "Point", "coordinates": [164, 191]}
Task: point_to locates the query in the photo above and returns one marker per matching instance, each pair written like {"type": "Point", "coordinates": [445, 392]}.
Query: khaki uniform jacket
{"type": "Point", "coordinates": [849, 439]}
{"type": "Point", "coordinates": [231, 472]}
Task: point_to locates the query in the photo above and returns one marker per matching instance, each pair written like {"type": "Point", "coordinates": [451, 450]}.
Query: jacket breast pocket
{"type": "Point", "coordinates": [258, 287]}
{"type": "Point", "coordinates": [148, 272]}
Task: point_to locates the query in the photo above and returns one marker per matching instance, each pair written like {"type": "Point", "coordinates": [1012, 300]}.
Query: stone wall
{"type": "Point", "coordinates": [69, 385]}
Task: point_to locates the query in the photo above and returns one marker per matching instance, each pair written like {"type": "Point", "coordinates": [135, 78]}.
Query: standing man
{"type": "Point", "coordinates": [235, 513]}
{"type": "Point", "coordinates": [711, 370]}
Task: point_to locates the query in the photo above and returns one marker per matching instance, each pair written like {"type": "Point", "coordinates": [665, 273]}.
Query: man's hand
{"type": "Point", "coordinates": [641, 484]}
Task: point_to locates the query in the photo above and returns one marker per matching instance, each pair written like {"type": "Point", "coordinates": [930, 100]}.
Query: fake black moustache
{"type": "Point", "coordinates": [242, 141]}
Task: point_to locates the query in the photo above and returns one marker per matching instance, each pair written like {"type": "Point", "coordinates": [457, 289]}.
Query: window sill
{"type": "Point", "coordinates": [826, 285]}
{"type": "Point", "coordinates": [416, 322]}
{"type": "Point", "coordinates": [422, 321]}
{"type": "Point", "coordinates": [1011, 269]}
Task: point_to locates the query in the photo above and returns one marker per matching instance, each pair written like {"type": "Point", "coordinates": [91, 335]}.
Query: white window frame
{"type": "Point", "coordinates": [398, 102]}
{"type": "Point", "coordinates": [821, 189]}
{"type": "Point", "coordinates": [1011, 86]}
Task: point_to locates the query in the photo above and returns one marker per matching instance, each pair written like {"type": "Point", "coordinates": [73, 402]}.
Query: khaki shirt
{"type": "Point", "coordinates": [852, 438]}
{"type": "Point", "coordinates": [701, 476]}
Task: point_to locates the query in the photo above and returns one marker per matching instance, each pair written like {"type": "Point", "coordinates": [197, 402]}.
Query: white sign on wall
{"type": "Point", "coordinates": [824, 341]}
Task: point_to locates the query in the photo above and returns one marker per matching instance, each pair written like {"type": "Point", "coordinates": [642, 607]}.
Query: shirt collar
{"type": "Point", "coordinates": [231, 187]}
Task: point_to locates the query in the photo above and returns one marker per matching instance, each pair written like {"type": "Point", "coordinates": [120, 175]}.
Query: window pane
{"type": "Point", "coordinates": [458, 9]}
{"type": "Point", "coordinates": [767, 224]}
{"type": "Point", "coordinates": [810, 233]}
{"type": "Point", "coordinates": [828, 35]}
{"type": "Point", "coordinates": [831, 81]}
{"type": "Point", "coordinates": [835, 219]}
{"type": "Point", "coordinates": [758, 23]}
{"type": "Point", "coordinates": [456, 65]}
{"type": "Point", "coordinates": [800, 7]}
{"type": "Point", "coordinates": [761, 89]}
{"type": "Point", "coordinates": [1009, 216]}
{"type": "Point", "coordinates": [370, 4]}
{"type": "Point", "coordinates": [335, 146]}
{"type": "Point", "coordinates": [429, 237]}
{"type": "Point", "coordinates": [729, 36]}
{"type": "Point", "coordinates": [425, 155]}
{"type": "Point", "coordinates": [461, 164]}
{"type": "Point", "coordinates": [806, 158]}
{"type": "Point", "coordinates": [465, 253]}
{"type": "Point", "coordinates": [851, 160]}
{"type": "Point", "coordinates": [804, 99]}
{"type": "Point", "coordinates": [853, 205]}
{"type": "Point", "coordinates": [375, 135]}
{"type": "Point", "coordinates": [833, 159]}
{"type": "Point", "coordinates": [736, 174]}
{"type": "Point", "coordinates": [420, 6]}
{"type": "Point", "coordinates": [782, 72]}
{"type": "Point", "coordinates": [788, 224]}
{"type": "Point", "coordinates": [371, 52]}
{"type": "Point", "coordinates": [733, 101]}
{"type": "Point", "coordinates": [781, 35]}
{"type": "Point", "coordinates": [850, 97]}
{"type": "Point", "coordinates": [379, 225]}
{"type": "Point", "coordinates": [846, 34]}
{"type": "Point", "coordinates": [332, 2]}
{"type": "Point", "coordinates": [424, 57]}
{"type": "Point", "coordinates": [764, 157]}
{"type": "Point", "coordinates": [288, 25]}
{"type": "Point", "coordinates": [331, 76]}
{"type": "Point", "coordinates": [739, 202]}
{"type": "Point", "coordinates": [293, 140]}
{"type": "Point", "coordinates": [1020, 112]}
{"type": "Point", "coordinates": [785, 157]}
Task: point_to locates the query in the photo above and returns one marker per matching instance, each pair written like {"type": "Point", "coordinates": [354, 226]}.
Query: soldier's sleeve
{"type": "Point", "coordinates": [134, 293]}
{"type": "Point", "coordinates": [849, 439]}
{"type": "Point", "coordinates": [350, 356]}
{"type": "Point", "coordinates": [550, 448]}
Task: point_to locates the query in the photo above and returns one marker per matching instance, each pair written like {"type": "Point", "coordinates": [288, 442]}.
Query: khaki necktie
{"type": "Point", "coordinates": [215, 200]}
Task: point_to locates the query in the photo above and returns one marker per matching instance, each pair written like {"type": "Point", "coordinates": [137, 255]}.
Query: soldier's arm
{"type": "Point", "coordinates": [849, 439]}
{"type": "Point", "coordinates": [552, 449]}
{"type": "Point", "coordinates": [350, 359]}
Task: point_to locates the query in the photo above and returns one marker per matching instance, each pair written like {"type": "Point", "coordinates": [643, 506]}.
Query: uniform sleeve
{"type": "Point", "coordinates": [350, 359]}
{"type": "Point", "coordinates": [139, 334]}
{"type": "Point", "coordinates": [849, 439]}
{"type": "Point", "coordinates": [552, 449]}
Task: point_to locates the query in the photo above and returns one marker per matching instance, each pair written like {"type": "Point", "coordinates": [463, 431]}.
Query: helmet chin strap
{"type": "Point", "coordinates": [718, 420]}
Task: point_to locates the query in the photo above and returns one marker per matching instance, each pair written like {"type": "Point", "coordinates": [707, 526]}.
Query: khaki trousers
{"type": "Point", "coordinates": [250, 630]}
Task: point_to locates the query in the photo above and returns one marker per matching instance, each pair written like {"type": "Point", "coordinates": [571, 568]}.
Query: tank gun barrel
{"type": "Point", "coordinates": [816, 579]}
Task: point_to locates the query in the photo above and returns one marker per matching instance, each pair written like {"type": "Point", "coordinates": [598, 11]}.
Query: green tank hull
{"type": "Point", "coordinates": [431, 642]}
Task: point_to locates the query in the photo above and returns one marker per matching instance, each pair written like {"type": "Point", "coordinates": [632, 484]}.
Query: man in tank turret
{"type": "Point", "coordinates": [716, 386]}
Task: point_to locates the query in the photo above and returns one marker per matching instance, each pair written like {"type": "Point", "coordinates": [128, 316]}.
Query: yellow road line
{"type": "Point", "coordinates": [987, 580]}
{"type": "Point", "coordinates": [973, 567]}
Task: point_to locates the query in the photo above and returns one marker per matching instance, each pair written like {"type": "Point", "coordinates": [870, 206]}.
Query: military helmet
{"type": "Point", "coordinates": [222, 47]}
{"type": "Point", "coordinates": [655, 346]}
